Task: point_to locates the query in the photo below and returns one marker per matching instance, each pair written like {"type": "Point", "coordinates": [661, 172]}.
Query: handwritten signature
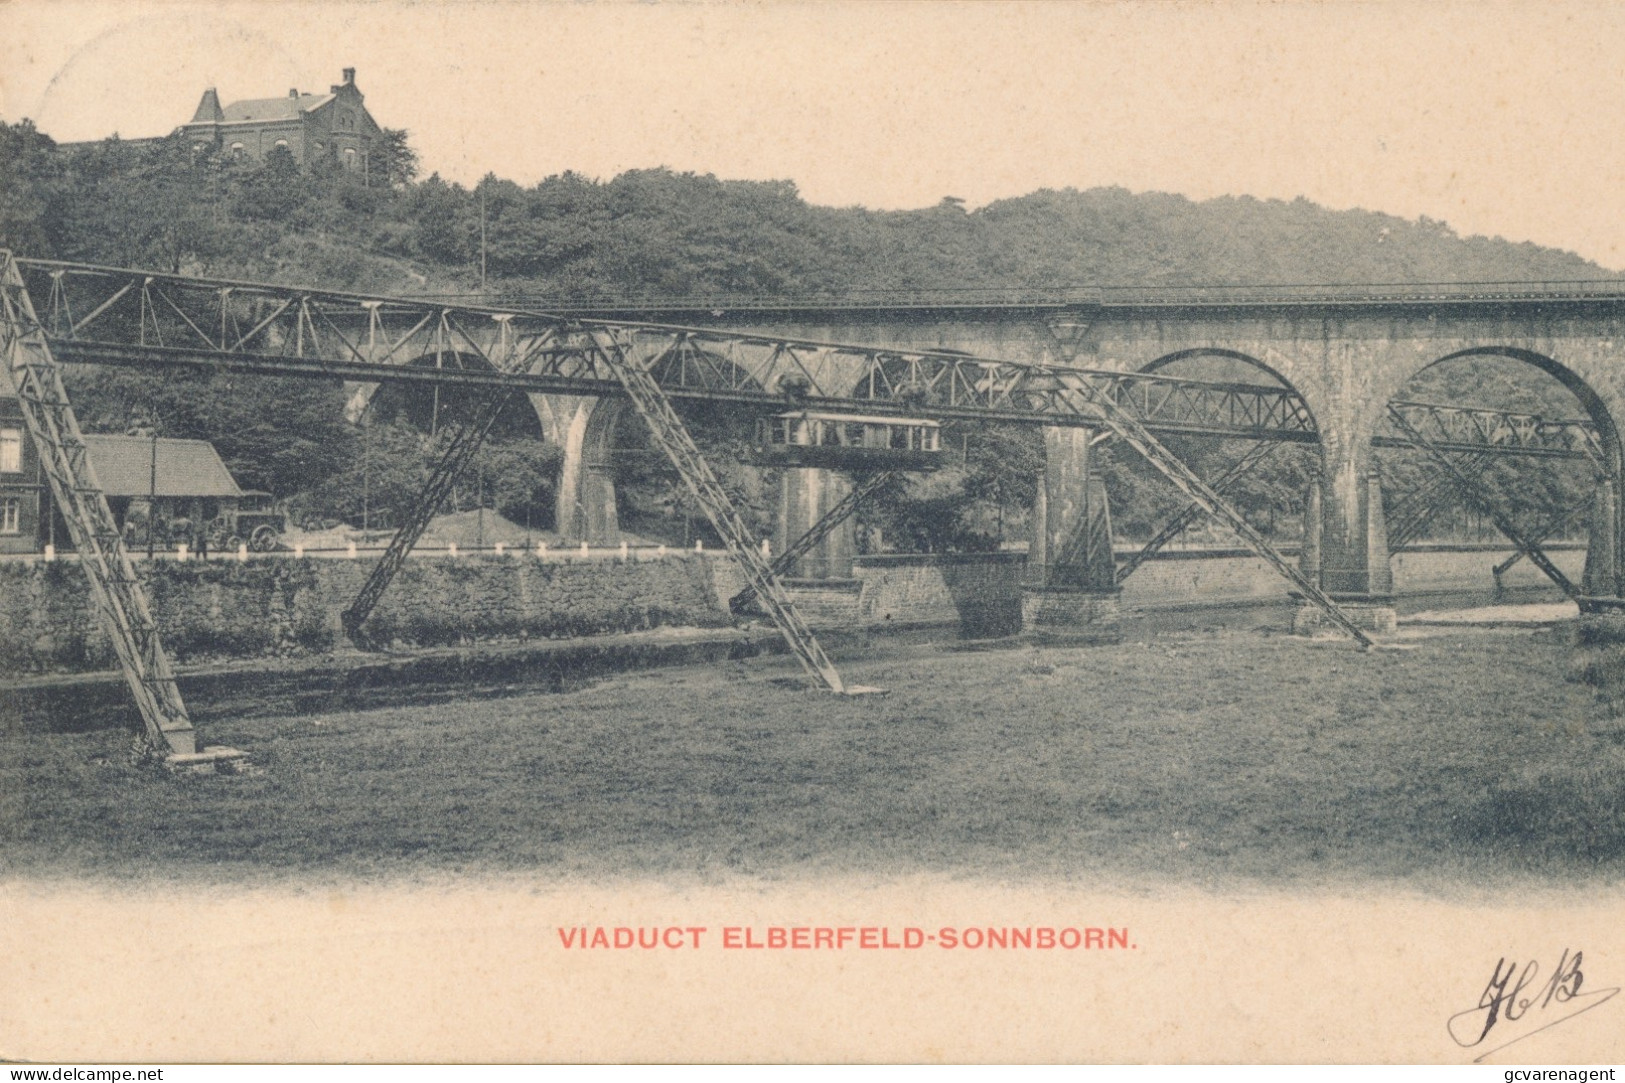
{"type": "Point", "coordinates": [1513, 1008]}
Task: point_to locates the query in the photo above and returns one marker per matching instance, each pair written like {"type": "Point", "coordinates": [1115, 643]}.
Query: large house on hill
{"type": "Point", "coordinates": [334, 125]}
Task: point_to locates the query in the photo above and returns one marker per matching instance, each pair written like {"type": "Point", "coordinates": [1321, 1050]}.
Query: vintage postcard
{"type": "Point", "coordinates": [811, 532]}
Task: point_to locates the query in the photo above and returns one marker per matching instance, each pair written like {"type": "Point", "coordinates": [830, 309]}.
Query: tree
{"type": "Point", "coordinates": [394, 163]}
{"type": "Point", "coordinates": [282, 436]}
{"type": "Point", "coordinates": [444, 226]}
{"type": "Point", "coordinates": [31, 187]}
{"type": "Point", "coordinates": [520, 478]}
{"type": "Point", "coordinates": [144, 205]}
{"type": "Point", "coordinates": [379, 482]}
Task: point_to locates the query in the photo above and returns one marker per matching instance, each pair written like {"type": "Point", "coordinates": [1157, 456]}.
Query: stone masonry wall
{"type": "Point", "coordinates": [288, 606]}
{"type": "Point", "coordinates": [224, 609]}
{"type": "Point", "coordinates": [980, 592]}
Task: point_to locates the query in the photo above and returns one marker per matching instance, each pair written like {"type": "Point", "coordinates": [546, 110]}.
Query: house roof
{"type": "Point", "coordinates": [288, 108]}
{"type": "Point", "coordinates": [123, 465]}
{"type": "Point", "coordinates": [208, 108]}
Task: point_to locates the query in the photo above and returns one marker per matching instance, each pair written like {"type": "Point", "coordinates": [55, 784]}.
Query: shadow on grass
{"type": "Point", "coordinates": [1556, 814]}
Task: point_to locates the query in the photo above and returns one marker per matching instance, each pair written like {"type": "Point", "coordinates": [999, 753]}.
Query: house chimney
{"type": "Point", "coordinates": [349, 76]}
{"type": "Point", "coordinates": [293, 92]}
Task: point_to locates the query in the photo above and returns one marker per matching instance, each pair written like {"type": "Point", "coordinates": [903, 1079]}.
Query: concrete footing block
{"type": "Point", "coordinates": [1063, 616]}
{"type": "Point", "coordinates": [1367, 616]}
{"type": "Point", "coordinates": [215, 758]}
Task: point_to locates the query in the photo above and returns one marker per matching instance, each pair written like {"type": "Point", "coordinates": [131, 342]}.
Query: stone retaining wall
{"type": "Point", "coordinates": [226, 609]}
{"type": "Point", "coordinates": [286, 605]}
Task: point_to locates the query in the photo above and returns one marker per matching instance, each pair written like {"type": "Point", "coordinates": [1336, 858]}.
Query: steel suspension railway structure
{"type": "Point", "coordinates": [54, 313]}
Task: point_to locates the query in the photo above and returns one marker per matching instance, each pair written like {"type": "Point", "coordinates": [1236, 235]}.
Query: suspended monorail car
{"type": "Point", "coordinates": [848, 441]}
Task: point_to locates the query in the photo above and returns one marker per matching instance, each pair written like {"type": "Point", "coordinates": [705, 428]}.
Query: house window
{"type": "Point", "coordinates": [236, 150]}
{"type": "Point", "coordinates": [349, 157]}
{"type": "Point", "coordinates": [11, 508]}
{"type": "Point", "coordinates": [11, 451]}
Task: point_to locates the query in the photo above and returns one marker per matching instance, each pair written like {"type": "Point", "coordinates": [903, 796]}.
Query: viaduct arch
{"type": "Point", "coordinates": [1347, 359]}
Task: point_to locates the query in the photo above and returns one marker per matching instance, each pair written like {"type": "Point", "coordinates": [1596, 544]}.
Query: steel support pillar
{"type": "Point", "coordinates": [121, 602]}
{"type": "Point", "coordinates": [463, 442]}
{"type": "Point", "coordinates": [1191, 512]}
{"type": "Point", "coordinates": [1412, 515]}
{"type": "Point", "coordinates": [833, 519]}
{"type": "Point", "coordinates": [669, 433]}
{"type": "Point", "coordinates": [1132, 432]}
{"type": "Point", "coordinates": [1550, 529]}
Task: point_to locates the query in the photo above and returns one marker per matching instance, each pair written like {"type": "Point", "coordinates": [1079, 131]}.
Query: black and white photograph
{"type": "Point", "coordinates": [809, 532]}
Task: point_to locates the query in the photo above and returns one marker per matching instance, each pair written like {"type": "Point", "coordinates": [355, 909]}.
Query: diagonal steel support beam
{"type": "Point", "coordinates": [460, 450]}
{"type": "Point", "coordinates": [1486, 503]}
{"type": "Point", "coordinates": [1543, 533]}
{"type": "Point", "coordinates": [1131, 432]}
{"type": "Point", "coordinates": [1421, 507]}
{"type": "Point", "coordinates": [666, 428]}
{"type": "Point", "coordinates": [33, 376]}
{"type": "Point", "coordinates": [1191, 512]}
{"type": "Point", "coordinates": [843, 510]}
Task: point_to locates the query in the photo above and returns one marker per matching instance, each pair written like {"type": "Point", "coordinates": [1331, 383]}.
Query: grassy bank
{"type": "Point", "coordinates": [1214, 758]}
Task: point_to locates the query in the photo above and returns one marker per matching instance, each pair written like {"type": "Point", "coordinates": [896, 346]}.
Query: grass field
{"type": "Point", "coordinates": [1216, 758]}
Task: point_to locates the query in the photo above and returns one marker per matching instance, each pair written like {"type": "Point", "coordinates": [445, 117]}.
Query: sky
{"type": "Point", "coordinates": [1498, 118]}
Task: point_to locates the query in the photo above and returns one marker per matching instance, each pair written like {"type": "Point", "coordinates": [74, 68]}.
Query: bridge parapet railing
{"type": "Point", "coordinates": [1073, 297]}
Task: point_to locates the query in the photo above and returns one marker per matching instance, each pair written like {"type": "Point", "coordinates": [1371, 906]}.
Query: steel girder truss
{"type": "Point", "coordinates": [843, 510]}
{"type": "Point", "coordinates": [1474, 490]}
{"type": "Point", "coordinates": [120, 601]}
{"type": "Point", "coordinates": [117, 316]}
{"type": "Point", "coordinates": [1464, 427]}
{"type": "Point", "coordinates": [144, 318]}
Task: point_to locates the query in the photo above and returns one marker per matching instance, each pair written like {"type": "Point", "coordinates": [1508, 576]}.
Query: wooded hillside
{"type": "Point", "coordinates": [655, 234]}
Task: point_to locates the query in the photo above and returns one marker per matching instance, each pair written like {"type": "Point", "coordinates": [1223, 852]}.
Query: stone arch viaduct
{"type": "Point", "coordinates": [1336, 355]}
{"type": "Point", "coordinates": [1348, 357]}
{"type": "Point", "coordinates": [1337, 358]}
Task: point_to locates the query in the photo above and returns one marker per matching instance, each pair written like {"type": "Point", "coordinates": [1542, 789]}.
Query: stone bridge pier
{"type": "Point", "coordinates": [1070, 591]}
{"type": "Point", "coordinates": [584, 502]}
{"type": "Point", "coordinates": [1347, 360]}
{"type": "Point", "coordinates": [805, 495]}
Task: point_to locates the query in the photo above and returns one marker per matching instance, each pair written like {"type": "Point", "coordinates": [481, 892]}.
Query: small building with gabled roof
{"type": "Point", "coordinates": [138, 466]}
{"type": "Point", "coordinates": [334, 126]}
{"type": "Point", "coordinates": [184, 479]}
